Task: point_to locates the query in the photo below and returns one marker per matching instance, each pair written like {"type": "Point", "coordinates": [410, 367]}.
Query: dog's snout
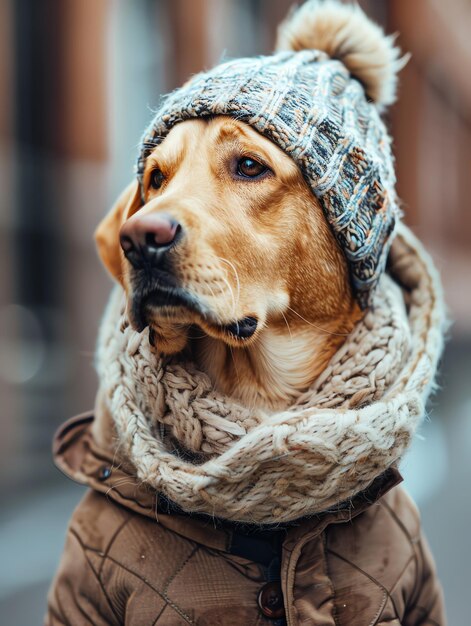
{"type": "Point", "coordinates": [148, 236]}
{"type": "Point", "coordinates": [153, 231]}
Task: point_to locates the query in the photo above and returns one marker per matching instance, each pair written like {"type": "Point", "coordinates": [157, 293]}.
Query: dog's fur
{"type": "Point", "coordinates": [251, 247]}
{"type": "Point", "coordinates": [254, 248]}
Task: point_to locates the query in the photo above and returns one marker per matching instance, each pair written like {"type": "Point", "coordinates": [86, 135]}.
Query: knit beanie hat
{"type": "Point", "coordinates": [319, 98]}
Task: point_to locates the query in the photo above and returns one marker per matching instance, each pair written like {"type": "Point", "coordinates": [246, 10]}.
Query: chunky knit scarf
{"type": "Point", "coordinates": [210, 454]}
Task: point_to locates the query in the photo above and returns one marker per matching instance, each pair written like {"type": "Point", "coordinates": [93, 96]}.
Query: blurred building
{"type": "Point", "coordinates": [78, 80]}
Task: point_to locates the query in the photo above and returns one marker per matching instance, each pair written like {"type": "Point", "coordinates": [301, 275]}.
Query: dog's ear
{"type": "Point", "coordinates": [107, 232]}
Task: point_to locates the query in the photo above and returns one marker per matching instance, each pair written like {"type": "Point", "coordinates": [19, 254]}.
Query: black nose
{"type": "Point", "coordinates": [146, 238]}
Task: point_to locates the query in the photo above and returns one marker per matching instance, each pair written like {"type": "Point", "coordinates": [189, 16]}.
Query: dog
{"type": "Point", "coordinates": [229, 255]}
{"type": "Point", "coordinates": [261, 369]}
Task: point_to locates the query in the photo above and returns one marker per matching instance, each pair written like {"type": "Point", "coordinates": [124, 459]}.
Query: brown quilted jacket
{"type": "Point", "coordinates": [131, 559]}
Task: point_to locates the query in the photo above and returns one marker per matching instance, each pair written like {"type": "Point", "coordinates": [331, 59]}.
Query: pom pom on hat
{"type": "Point", "coordinates": [344, 32]}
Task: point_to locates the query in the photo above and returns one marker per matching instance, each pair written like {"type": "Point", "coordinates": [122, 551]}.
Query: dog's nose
{"type": "Point", "coordinates": [148, 236]}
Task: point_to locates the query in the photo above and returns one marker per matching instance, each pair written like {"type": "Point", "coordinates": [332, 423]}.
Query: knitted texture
{"type": "Point", "coordinates": [308, 105]}
{"type": "Point", "coordinates": [353, 423]}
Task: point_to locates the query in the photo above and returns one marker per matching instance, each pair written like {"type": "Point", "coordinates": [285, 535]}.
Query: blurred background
{"type": "Point", "coordinates": [77, 81]}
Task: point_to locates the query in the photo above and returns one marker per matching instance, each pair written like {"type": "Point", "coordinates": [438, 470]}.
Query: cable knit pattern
{"type": "Point", "coordinates": [310, 106]}
{"type": "Point", "coordinates": [353, 423]}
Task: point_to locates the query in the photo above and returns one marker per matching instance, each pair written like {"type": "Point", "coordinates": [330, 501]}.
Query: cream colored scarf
{"type": "Point", "coordinates": [353, 423]}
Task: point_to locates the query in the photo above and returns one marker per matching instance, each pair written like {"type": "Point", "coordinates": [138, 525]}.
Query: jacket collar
{"type": "Point", "coordinates": [79, 457]}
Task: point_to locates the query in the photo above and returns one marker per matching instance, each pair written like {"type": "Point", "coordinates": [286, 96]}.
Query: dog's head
{"type": "Point", "coordinates": [229, 238]}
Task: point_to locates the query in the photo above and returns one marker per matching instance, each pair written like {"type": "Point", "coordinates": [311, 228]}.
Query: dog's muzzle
{"type": "Point", "coordinates": [146, 242]}
{"type": "Point", "coordinates": [146, 239]}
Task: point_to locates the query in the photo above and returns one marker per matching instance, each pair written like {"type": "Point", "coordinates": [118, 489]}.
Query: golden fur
{"type": "Point", "coordinates": [259, 248]}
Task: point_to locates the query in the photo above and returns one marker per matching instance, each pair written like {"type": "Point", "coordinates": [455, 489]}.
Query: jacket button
{"type": "Point", "coordinates": [104, 472]}
{"type": "Point", "coordinates": [270, 600]}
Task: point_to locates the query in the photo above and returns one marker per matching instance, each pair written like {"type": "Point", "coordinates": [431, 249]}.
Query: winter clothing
{"type": "Point", "coordinates": [127, 561]}
{"type": "Point", "coordinates": [351, 425]}
{"type": "Point", "coordinates": [134, 557]}
{"type": "Point", "coordinates": [312, 105]}
{"type": "Point", "coordinates": [203, 512]}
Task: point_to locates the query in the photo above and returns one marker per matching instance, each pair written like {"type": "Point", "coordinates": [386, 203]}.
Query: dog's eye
{"type": "Point", "coordinates": [156, 179]}
{"type": "Point", "coordinates": [249, 168]}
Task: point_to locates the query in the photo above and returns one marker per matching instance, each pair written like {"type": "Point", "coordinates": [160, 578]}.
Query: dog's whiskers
{"type": "Point", "coordinates": [234, 269]}
{"type": "Point", "coordinates": [211, 290]}
{"type": "Point", "coordinates": [324, 330]}
{"type": "Point", "coordinates": [232, 295]}
{"type": "Point", "coordinates": [287, 325]}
